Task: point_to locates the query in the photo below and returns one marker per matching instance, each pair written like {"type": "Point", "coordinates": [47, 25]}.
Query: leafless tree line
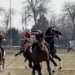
{"type": "Point", "coordinates": [34, 9]}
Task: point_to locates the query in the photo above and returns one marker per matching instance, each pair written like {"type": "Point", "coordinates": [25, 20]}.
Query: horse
{"type": "Point", "coordinates": [49, 38]}
{"type": "Point", "coordinates": [37, 55]}
{"type": "Point", "coordinates": [2, 60]}
{"type": "Point", "coordinates": [40, 54]}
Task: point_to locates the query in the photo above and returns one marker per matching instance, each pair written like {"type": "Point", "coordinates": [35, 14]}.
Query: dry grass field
{"type": "Point", "coordinates": [16, 66]}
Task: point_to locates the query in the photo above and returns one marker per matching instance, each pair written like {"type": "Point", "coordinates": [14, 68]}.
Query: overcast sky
{"type": "Point", "coordinates": [56, 6]}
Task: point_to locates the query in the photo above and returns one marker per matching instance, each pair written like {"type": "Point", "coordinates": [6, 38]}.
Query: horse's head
{"type": "Point", "coordinates": [53, 32]}
{"type": "Point", "coordinates": [57, 33]}
{"type": "Point", "coordinates": [39, 37]}
{"type": "Point", "coordinates": [41, 44]}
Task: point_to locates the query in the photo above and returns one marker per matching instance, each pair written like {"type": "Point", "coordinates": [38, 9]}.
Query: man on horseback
{"type": "Point", "coordinates": [2, 39]}
{"type": "Point", "coordinates": [38, 37]}
{"type": "Point", "coordinates": [38, 54]}
{"type": "Point", "coordinates": [50, 34]}
{"type": "Point", "coordinates": [33, 37]}
{"type": "Point", "coordinates": [29, 38]}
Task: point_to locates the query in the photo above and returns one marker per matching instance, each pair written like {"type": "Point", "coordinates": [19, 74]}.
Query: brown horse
{"type": "Point", "coordinates": [2, 61]}
{"type": "Point", "coordinates": [37, 55]}
{"type": "Point", "coordinates": [40, 54]}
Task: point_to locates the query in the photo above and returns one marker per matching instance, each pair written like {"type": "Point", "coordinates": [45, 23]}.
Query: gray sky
{"type": "Point", "coordinates": [56, 6]}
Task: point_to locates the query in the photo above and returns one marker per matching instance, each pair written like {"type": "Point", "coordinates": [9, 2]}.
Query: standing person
{"type": "Point", "coordinates": [1, 40]}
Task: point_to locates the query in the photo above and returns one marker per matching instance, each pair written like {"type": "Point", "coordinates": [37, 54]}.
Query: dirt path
{"type": "Point", "coordinates": [16, 66]}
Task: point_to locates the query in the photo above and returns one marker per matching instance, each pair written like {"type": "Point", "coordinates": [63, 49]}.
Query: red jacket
{"type": "Point", "coordinates": [28, 34]}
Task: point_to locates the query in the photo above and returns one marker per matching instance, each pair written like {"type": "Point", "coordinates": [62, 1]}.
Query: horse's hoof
{"type": "Point", "coordinates": [60, 68]}
{"type": "Point", "coordinates": [53, 71]}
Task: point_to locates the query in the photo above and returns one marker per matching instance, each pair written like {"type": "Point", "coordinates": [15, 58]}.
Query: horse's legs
{"type": "Point", "coordinates": [1, 67]}
{"type": "Point", "coordinates": [33, 71]}
{"type": "Point", "coordinates": [55, 64]}
{"type": "Point", "coordinates": [38, 68]}
{"type": "Point", "coordinates": [48, 68]}
{"type": "Point", "coordinates": [57, 57]}
{"type": "Point", "coordinates": [30, 64]}
{"type": "Point", "coordinates": [3, 62]}
{"type": "Point", "coordinates": [39, 71]}
{"type": "Point", "coordinates": [52, 60]}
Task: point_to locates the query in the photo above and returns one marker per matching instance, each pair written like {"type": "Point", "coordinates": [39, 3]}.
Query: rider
{"type": "Point", "coordinates": [50, 38]}
{"type": "Point", "coordinates": [29, 38]}
{"type": "Point", "coordinates": [39, 37]}
{"type": "Point", "coordinates": [50, 34]}
{"type": "Point", "coordinates": [2, 39]}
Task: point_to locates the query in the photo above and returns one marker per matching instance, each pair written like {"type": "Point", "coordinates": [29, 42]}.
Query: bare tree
{"type": "Point", "coordinates": [70, 12]}
{"type": "Point", "coordinates": [34, 8]}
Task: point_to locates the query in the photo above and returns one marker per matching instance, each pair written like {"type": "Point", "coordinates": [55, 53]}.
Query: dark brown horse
{"type": "Point", "coordinates": [37, 55]}
{"type": "Point", "coordinates": [2, 61]}
{"type": "Point", "coordinates": [40, 54]}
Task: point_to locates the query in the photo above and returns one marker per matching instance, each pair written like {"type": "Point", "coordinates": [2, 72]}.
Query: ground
{"type": "Point", "coordinates": [16, 66]}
